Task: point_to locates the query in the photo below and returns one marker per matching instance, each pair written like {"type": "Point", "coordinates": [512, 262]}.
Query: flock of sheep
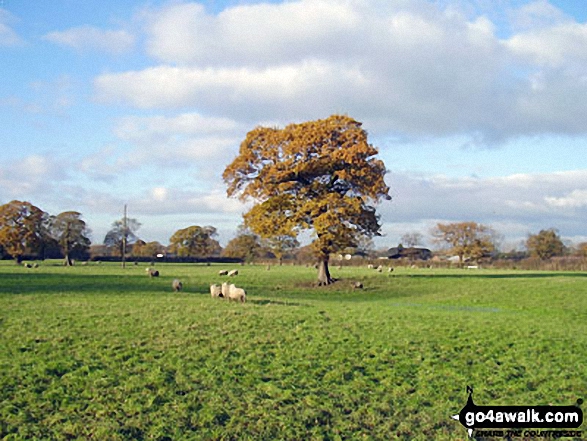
{"type": "Point", "coordinates": [226, 290]}
{"type": "Point", "coordinates": [379, 269]}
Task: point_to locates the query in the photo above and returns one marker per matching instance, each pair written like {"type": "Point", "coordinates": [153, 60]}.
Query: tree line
{"type": "Point", "coordinates": [319, 177]}
{"type": "Point", "coordinates": [25, 229]}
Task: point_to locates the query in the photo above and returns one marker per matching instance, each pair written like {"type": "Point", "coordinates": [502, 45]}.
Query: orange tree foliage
{"type": "Point", "coordinates": [22, 226]}
{"type": "Point", "coordinates": [545, 244]}
{"type": "Point", "coordinates": [468, 240]}
{"type": "Point", "coordinates": [320, 175]}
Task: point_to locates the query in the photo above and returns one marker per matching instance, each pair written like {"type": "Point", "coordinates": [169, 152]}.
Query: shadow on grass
{"type": "Point", "coordinates": [530, 275]}
{"type": "Point", "coordinates": [266, 302]}
{"type": "Point", "coordinates": [42, 283]}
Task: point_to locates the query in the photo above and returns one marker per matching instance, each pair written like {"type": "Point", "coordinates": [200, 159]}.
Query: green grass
{"type": "Point", "coordinates": [97, 352]}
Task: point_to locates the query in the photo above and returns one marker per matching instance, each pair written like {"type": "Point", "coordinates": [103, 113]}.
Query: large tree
{"type": "Point", "coordinates": [122, 233]}
{"type": "Point", "coordinates": [22, 228]}
{"type": "Point", "coordinates": [320, 175]}
{"type": "Point", "coordinates": [545, 244]}
{"type": "Point", "coordinates": [195, 241]}
{"type": "Point", "coordinates": [147, 249]}
{"type": "Point", "coordinates": [246, 245]}
{"type": "Point", "coordinates": [468, 240]}
{"type": "Point", "coordinates": [71, 233]}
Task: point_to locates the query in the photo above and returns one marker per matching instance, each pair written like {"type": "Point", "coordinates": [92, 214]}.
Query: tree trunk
{"type": "Point", "coordinates": [324, 277]}
{"type": "Point", "coordinates": [67, 260]}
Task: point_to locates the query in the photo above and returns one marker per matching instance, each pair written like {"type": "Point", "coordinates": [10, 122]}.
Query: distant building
{"type": "Point", "coordinates": [411, 253]}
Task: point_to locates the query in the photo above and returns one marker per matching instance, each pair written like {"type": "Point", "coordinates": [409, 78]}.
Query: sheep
{"type": "Point", "coordinates": [358, 285]}
{"type": "Point", "coordinates": [225, 289]}
{"type": "Point", "coordinates": [216, 291]}
{"type": "Point", "coordinates": [223, 273]}
{"type": "Point", "coordinates": [379, 268]}
{"type": "Point", "coordinates": [237, 294]}
{"type": "Point", "coordinates": [152, 272]}
{"type": "Point", "coordinates": [233, 273]}
{"type": "Point", "coordinates": [390, 270]}
{"type": "Point", "coordinates": [177, 285]}
{"type": "Point", "coordinates": [370, 266]}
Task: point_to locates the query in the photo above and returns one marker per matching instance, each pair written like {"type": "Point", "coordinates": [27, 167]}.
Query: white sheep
{"type": "Point", "coordinates": [177, 285]}
{"type": "Point", "coordinates": [237, 294]}
{"type": "Point", "coordinates": [370, 266]}
{"type": "Point", "coordinates": [222, 272]}
{"type": "Point", "coordinates": [233, 273]}
{"type": "Point", "coordinates": [216, 291]}
{"type": "Point", "coordinates": [224, 289]}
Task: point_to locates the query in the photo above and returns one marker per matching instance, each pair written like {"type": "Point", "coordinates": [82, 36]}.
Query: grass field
{"type": "Point", "coordinates": [98, 352]}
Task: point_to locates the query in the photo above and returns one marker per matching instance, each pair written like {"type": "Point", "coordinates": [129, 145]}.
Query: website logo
{"type": "Point", "coordinates": [474, 417]}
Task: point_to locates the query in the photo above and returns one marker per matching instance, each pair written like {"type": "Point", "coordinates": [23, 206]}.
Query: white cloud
{"type": "Point", "coordinates": [183, 140]}
{"type": "Point", "coordinates": [90, 38]}
{"type": "Point", "coordinates": [535, 200]}
{"type": "Point", "coordinates": [405, 67]}
{"type": "Point", "coordinates": [561, 45]}
{"type": "Point", "coordinates": [8, 36]}
{"type": "Point", "coordinates": [257, 34]}
{"type": "Point", "coordinates": [245, 92]}
{"type": "Point", "coordinates": [30, 176]}
{"type": "Point", "coordinates": [575, 199]}
{"type": "Point", "coordinates": [168, 200]}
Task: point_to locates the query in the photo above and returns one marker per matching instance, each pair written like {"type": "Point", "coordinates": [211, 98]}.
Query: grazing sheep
{"type": "Point", "coordinates": [152, 272]}
{"type": "Point", "coordinates": [223, 273]}
{"type": "Point", "coordinates": [379, 268]}
{"type": "Point", "coordinates": [237, 294]}
{"type": "Point", "coordinates": [35, 265]}
{"type": "Point", "coordinates": [358, 285]}
{"type": "Point", "coordinates": [216, 291]}
{"type": "Point", "coordinates": [225, 289]}
{"type": "Point", "coordinates": [370, 266]}
{"type": "Point", "coordinates": [233, 273]}
{"type": "Point", "coordinates": [27, 265]}
{"type": "Point", "coordinates": [177, 285]}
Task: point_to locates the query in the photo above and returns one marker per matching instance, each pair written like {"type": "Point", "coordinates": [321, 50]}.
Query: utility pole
{"type": "Point", "coordinates": [124, 236]}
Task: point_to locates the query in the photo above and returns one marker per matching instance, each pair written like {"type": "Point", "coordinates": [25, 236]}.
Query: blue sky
{"type": "Point", "coordinates": [478, 107]}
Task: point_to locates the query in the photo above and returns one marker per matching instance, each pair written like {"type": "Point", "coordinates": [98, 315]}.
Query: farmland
{"type": "Point", "coordinates": [98, 352]}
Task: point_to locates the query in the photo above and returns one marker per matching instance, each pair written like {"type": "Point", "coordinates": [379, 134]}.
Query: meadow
{"type": "Point", "coordinates": [100, 352]}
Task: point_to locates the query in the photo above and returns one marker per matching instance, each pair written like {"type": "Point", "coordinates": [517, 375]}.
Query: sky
{"type": "Point", "coordinates": [478, 108]}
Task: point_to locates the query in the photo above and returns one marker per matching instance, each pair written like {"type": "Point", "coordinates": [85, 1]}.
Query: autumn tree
{"type": "Point", "coordinates": [278, 237]}
{"type": "Point", "coordinates": [195, 241]}
{"type": "Point", "coordinates": [468, 240]}
{"type": "Point", "coordinates": [545, 244]}
{"type": "Point", "coordinates": [246, 245]}
{"type": "Point", "coordinates": [581, 250]}
{"type": "Point", "coordinates": [22, 228]}
{"type": "Point", "coordinates": [321, 176]}
{"type": "Point", "coordinates": [123, 232]}
{"type": "Point", "coordinates": [71, 233]}
{"type": "Point", "coordinates": [147, 249]}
